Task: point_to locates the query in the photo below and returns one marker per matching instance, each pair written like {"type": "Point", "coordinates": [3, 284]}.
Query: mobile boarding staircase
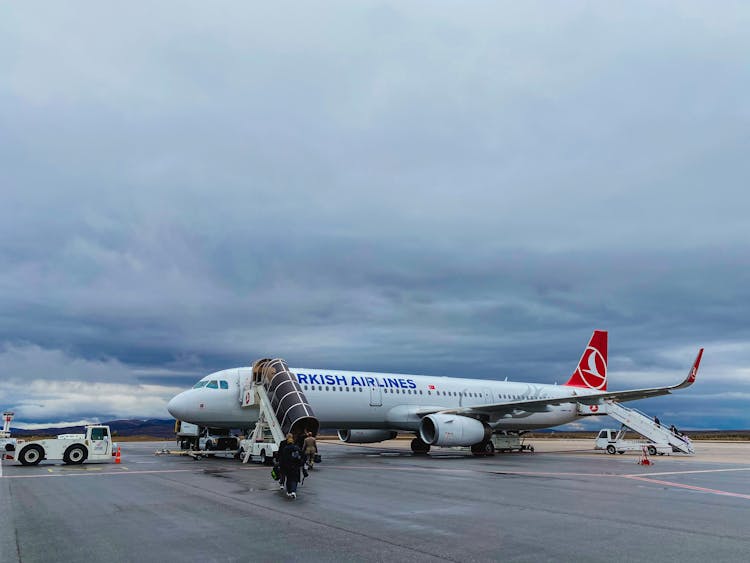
{"type": "Point", "coordinates": [645, 426]}
{"type": "Point", "coordinates": [283, 408]}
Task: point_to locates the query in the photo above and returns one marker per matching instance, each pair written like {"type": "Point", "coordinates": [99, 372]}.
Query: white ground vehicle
{"type": "Point", "coordinates": [95, 445]}
{"type": "Point", "coordinates": [614, 442]}
{"type": "Point", "coordinates": [261, 445]}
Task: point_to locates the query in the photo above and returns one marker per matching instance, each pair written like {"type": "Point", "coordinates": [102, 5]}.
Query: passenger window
{"type": "Point", "coordinates": [360, 389]}
{"type": "Point", "coordinates": [224, 384]}
{"type": "Point", "coordinates": [420, 391]}
{"type": "Point", "coordinates": [213, 384]}
{"type": "Point", "coordinates": [326, 387]}
{"type": "Point", "coordinates": [347, 389]}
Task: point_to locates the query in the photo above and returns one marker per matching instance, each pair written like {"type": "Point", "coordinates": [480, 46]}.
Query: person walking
{"type": "Point", "coordinates": [279, 468]}
{"type": "Point", "coordinates": [310, 448]}
{"type": "Point", "coordinates": [290, 461]}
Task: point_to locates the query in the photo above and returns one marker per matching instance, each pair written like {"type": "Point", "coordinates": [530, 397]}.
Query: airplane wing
{"type": "Point", "coordinates": [542, 405]}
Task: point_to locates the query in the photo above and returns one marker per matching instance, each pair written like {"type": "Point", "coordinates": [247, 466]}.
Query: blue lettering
{"type": "Point", "coordinates": [370, 381]}
{"type": "Point", "coordinates": [330, 380]}
{"type": "Point", "coordinates": [314, 379]}
{"type": "Point", "coordinates": [402, 383]}
{"type": "Point", "coordinates": [411, 383]}
{"type": "Point", "coordinates": [355, 381]}
{"type": "Point", "coordinates": [302, 378]}
{"type": "Point", "coordinates": [391, 382]}
{"type": "Point", "coordinates": [340, 380]}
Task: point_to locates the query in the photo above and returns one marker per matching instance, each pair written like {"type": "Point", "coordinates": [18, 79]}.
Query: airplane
{"type": "Point", "coordinates": [443, 411]}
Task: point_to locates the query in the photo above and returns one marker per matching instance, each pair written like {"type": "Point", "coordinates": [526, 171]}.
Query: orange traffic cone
{"type": "Point", "coordinates": [117, 456]}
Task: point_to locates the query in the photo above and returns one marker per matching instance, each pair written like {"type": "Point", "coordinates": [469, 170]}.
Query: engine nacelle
{"type": "Point", "coordinates": [453, 430]}
{"type": "Point", "coordinates": [366, 436]}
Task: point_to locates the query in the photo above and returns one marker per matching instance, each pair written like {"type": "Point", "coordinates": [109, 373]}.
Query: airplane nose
{"type": "Point", "coordinates": [176, 406]}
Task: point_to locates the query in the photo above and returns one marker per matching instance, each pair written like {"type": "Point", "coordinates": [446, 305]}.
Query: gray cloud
{"type": "Point", "coordinates": [380, 186]}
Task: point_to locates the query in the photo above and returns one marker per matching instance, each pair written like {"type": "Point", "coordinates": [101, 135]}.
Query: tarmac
{"type": "Point", "coordinates": [380, 503]}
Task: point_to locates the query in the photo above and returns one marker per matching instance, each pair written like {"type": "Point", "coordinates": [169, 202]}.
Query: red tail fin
{"type": "Point", "coordinates": [592, 369]}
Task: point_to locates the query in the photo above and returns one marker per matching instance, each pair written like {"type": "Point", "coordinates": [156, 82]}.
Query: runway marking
{"type": "Point", "coordinates": [638, 477]}
{"type": "Point", "coordinates": [123, 471]}
{"type": "Point", "coordinates": [690, 487]}
{"type": "Point", "coordinates": [692, 471]}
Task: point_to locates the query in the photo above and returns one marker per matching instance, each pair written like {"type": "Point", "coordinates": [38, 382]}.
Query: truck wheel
{"type": "Point", "coordinates": [31, 455]}
{"type": "Point", "coordinates": [651, 450]}
{"type": "Point", "coordinates": [611, 449]}
{"type": "Point", "coordinates": [209, 445]}
{"type": "Point", "coordinates": [75, 455]}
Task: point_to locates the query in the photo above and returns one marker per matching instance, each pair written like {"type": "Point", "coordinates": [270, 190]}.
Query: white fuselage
{"type": "Point", "coordinates": [349, 400]}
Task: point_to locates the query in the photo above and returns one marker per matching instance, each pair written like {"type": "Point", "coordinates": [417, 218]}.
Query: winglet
{"type": "Point", "coordinates": [690, 379]}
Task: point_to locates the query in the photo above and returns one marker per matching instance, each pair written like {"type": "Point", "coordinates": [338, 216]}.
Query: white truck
{"type": "Point", "coordinates": [614, 442]}
{"type": "Point", "coordinates": [261, 446]}
{"type": "Point", "coordinates": [95, 445]}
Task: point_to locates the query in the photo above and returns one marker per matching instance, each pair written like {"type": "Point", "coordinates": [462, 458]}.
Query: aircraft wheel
{"type": "Point", "coordinates": [419, 447]}
{"type": "Point", "coordinates": [31, 455]}
{"type": "Point", "coordinates": [651, 450]}
{"type": "Point", "coordinates": [75, 455]}
{"type": "Point", "coordinates": [611, 449]}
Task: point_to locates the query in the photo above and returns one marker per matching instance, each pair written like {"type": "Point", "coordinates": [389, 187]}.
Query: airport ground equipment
{"type": "Point", "coordinates": [648, 428]}
{"type": "Point", "coordinates": [510, 442]}
{"type": "Point", "coordinates": [193, 437]}
{"type": "Point", "coordinates": [282, 409]}
{"type": "Point", "coordinates": [94, 445]}
{"type": "Point", "coordinates": [7, 442]}
{"type": "Point", "coordinates": [614, 442]}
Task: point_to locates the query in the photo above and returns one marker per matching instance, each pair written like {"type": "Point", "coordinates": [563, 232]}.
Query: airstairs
{"type": "Point", "coordinates": [645, 426]}
{"type": "Point", "coordinates": [283, 408]}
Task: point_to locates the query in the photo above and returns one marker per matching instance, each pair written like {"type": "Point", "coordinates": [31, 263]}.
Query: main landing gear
{"type": "Point", "coordinates": [419, 447]}
{"type": "Point", "coordinates": [483, 448]}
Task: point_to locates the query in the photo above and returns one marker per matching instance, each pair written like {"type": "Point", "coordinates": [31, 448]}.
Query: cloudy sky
{"type": "Point", "coordinates": [420, 187]}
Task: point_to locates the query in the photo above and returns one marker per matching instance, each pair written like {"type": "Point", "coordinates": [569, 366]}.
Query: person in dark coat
{"type": "Point", "coordinates": [279, 468]}
{"type": "Point", "coordinates": [290, 460]}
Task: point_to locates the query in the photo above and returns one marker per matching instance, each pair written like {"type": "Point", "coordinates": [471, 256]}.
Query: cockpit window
{"type": "Point", "coordinates": [213, 384]}
{"type": "Point", "coordinates": [200, 384]}
{"type": "Point", "coordinates": [224, 384]}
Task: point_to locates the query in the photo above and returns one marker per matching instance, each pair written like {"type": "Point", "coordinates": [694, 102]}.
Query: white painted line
{"type": "Point", "coordinates": [687, 472]}
{"type": "Point", "coordinates": [1, 467]}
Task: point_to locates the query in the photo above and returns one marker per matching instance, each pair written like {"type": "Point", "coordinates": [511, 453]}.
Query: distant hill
{"type": "Point", "coordinates": [156, 427]}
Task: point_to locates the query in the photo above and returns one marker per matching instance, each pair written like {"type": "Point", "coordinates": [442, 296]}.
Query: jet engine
{"type": "Point", "coordinates": [366, 436]}
{"type": "Point", "coordinates": [453, 430]}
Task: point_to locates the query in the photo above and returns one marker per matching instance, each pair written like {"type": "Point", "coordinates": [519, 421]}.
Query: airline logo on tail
{"type": "Point", "coordinates": [592, 369]}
